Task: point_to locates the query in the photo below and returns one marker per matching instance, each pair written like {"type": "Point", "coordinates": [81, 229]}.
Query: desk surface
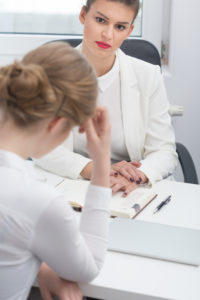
{"type": "Point", "coordinates": [131, 277]}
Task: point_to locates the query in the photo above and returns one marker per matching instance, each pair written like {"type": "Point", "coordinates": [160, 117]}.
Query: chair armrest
{"type": "Point", "coordinates": [187, 164]}
{"type": "Point", "coordinates": [176, 110]}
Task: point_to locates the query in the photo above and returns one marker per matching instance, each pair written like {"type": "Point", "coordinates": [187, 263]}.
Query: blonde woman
{"type": "Point", "coordinates": [142, 137]}
{"type": "Point", "coordinates": [42, 97]}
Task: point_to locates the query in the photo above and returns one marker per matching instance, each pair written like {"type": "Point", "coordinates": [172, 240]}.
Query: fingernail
{"type": "Point", "coordinates": [132, 179]}
{"type": "Point", "coordinates": [125, 194]}
{"type": "Point", "coordinates": [116, 174]}
{"type": "Point", "coordinates": [138, 181]}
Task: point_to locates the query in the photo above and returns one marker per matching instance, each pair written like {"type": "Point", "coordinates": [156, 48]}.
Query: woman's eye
{"type": "Point", "coordinates": [100, 20]}
{"type": "Point", "coordinates": [120, 27]}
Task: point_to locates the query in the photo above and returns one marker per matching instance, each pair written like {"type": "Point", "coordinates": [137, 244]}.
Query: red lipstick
{"type": "Point", "coordinates": [103, 45]}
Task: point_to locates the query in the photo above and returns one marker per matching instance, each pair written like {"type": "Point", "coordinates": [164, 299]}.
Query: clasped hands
{"type": "Point", "coordinates": [125, 176]}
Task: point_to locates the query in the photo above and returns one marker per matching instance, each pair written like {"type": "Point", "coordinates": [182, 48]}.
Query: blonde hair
{"type": "Point", "coordinates": [52, 80]}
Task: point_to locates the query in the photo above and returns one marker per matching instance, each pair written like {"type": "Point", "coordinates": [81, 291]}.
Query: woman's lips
{"type": "Point", "coordinates": [103, 45]}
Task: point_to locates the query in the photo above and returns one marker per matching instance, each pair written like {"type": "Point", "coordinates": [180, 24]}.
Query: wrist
{"type": "Point", "coordinates": [101, 173]}
{"type": "Point", "coordinates": [86, 173]}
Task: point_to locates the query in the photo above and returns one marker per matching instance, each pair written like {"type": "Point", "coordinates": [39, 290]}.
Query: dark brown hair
{"type": "Point", "coordinates": [52, 80]}
{"type": "Point", "coordinates": [133, 4]}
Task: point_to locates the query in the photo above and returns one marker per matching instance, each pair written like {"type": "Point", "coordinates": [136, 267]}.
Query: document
{"type": "Point", "coordinates": [128, 207]}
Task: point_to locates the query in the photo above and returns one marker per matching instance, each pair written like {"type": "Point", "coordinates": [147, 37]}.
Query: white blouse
{"type": "Point", "coordinates": [110, 97]}
{"type": "Point", "coordinates": [37, 224]}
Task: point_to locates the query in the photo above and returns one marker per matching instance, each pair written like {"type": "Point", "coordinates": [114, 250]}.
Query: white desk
{"type": "Point", "coordinates": [129, 277]}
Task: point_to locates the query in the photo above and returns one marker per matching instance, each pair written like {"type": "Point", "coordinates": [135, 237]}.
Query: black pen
{"type": "Point", "coordinates": [164, 202]}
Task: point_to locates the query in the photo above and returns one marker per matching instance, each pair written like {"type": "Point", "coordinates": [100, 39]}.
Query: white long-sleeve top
{"type": "Point", "coordinates": [144, 130]}
{"type": "Point", "coordinates": [37, 224]}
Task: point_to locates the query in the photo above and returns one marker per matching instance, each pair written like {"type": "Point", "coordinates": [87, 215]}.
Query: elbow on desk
{"type": "Point", "coordinates": [84, 272]}
{"type": "Point", "coordinates": [82, 277]}
{"type": "Point", "coordinates": [88, 275]}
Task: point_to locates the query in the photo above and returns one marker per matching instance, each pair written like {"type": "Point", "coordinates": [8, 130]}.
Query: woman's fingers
{"type": "Point", "coordinates": [113, 173]}
{"type": "Point", "coordinates": [101, 121]}
{"type": "Point", "coordinates": [117, 183]}
{"type": "Point", "coordinates": [46, 295]}
{"type": "Point", "coordinates": [130, 174]}
{"type": "Point", "coordinates": [71, 291]}
{"type": "Point", "coordinates": [117, 187]}
{"type": "Point", "coordinates": [52, 285]}
{"type": "Point", "coordinates": [120, 183]}
{"type": "Point", "coordinates": [98, 134]}
{"type": "Point", "coordinates": [136, 163]}
{"type": "Point", "coordinates": [131, 187]}
{"type": "Point", "coordinates": [128, 170]}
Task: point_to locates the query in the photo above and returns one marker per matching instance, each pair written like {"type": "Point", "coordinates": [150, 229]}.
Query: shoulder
{"type": "Point", "coordinates": [41, 195]}
{"type": "Point", "coordinates": [21, 195]}
{"type": "Point", "coordinates": [34, 196]}
{"type": "Point", "coordinates": [136, 65]}
{"type": "Point", "coordinates": [145, 74]}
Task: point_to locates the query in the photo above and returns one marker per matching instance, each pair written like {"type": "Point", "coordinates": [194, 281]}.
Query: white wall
{"type": "Point", "coordinates": [183, 86]}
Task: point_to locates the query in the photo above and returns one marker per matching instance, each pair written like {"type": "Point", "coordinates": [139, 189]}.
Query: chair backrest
{"type": "Point", "coordinates": [134, 47]}
{"type": "Point", "coordinates": [187, 164]}
{"type": "Point", "coordinates": [142, 49]}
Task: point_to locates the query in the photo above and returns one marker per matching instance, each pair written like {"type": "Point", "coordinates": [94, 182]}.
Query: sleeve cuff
{"type": "Point", "coordinates": [150, 174]}
{"type": "Point", "coordinates": [98, 197]}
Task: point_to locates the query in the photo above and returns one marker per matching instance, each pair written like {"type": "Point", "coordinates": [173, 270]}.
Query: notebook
{"type": "Point", "coordinates": [128, 207]}
{"type": "Point", "coordinates": [166, 242]}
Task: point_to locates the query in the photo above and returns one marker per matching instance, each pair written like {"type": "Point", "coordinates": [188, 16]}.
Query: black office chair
{"type": "Point", "coordinates": [148, 52]}
{"type": "Point", "coordinates": [137, 48]}
{"type": "Point", "coordinates": [187, 164]}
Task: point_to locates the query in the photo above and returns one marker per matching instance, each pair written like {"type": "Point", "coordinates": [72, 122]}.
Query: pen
{"type": "Point", "coordinates": [164, 202]}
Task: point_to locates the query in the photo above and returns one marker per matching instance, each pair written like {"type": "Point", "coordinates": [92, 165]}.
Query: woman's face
{"type": "Point", "coordinates": [106, 25]}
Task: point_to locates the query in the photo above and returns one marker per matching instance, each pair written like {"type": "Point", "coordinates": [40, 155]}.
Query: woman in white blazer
{"type": "Point", "coordinates": [42, 97]}
{"type": "Point", "coordinates": [142, 138]}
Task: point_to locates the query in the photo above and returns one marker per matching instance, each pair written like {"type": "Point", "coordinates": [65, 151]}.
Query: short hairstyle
{"type": "Point", "coordinates": [52, 80]}
{"type": "Point", "coordinates": [133, 4]}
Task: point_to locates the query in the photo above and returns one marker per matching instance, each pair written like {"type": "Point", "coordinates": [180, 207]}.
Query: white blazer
{"type": "Point", "coordinates": [149, 136]}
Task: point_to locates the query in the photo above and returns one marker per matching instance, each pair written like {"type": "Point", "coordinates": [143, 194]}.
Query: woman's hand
{"type": "Point", "coordinates": [120, 183]}
{"type": "Point", "coordinates": [130, 171]}
{"type": "Point", "coordinates": [97, 132]}
{"type": "Point", "coordinates": [52, 285]}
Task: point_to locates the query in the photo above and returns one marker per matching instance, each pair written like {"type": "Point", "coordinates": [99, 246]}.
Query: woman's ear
{"type": "Point", "coordinates": [82, 15]}
{"type": "Point", "coordinates": [57, 125]}
{"type": "Point", "coordinates": [130, 30]}
{"type": "Point", "coordinates": [81, 129]}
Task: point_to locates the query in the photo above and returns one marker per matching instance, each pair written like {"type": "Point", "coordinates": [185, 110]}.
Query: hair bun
{"type": "Point", "coordinates": [19, 82]}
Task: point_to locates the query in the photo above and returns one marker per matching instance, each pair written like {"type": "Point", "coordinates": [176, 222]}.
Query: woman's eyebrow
{"type": "Point", "coordinates": [119, 22]}
{"type": "Point", "coordinates": [102, 15]}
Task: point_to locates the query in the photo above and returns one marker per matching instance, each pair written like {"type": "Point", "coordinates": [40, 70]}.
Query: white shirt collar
{"type": "Point", "coordinates": [106, 80]}
{"type": "Point", "coordinates": [11, 160]}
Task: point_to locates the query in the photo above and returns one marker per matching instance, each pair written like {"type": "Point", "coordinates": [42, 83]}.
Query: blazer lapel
{"type": "Point", "coordinates": [130, 106]}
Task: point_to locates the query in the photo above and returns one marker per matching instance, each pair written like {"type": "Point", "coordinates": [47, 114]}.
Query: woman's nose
{"type": "Point", "coordinates": [108, 32]}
